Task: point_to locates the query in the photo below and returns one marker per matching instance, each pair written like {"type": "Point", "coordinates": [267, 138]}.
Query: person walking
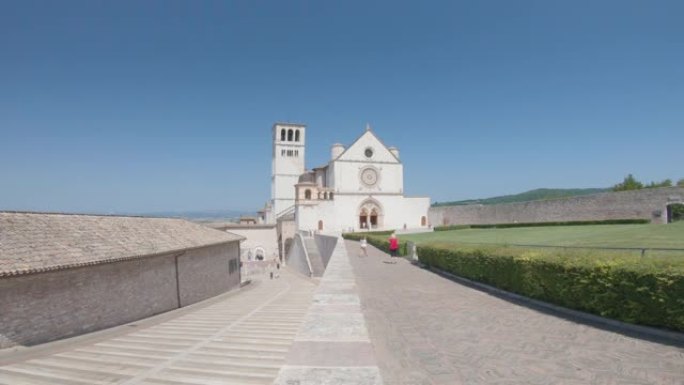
{"type": "Point", "coordinates": [364, 245]}
{"type": "Point", "coordinates": [393, 244]}
{"type": "Point", "coordinates": [276, 271]}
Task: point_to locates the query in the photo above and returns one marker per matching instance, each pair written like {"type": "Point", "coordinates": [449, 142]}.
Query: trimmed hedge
{"type": "Point", "coordinates": [647, 292]}
{"type": "Point", "coordinates": [379, 239]}
{"type": "Point", "coordinates": [542, 224]}
{"type": "Point", "coordinates": [451, 227]}
{"type": "Point", "coordinates": [358, 236]}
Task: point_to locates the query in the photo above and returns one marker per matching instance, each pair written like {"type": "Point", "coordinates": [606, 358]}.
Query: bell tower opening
{"type": "Point", "coordinates": [287, 165]}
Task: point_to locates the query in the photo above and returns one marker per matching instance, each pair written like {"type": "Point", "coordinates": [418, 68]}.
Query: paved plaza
{"type": "Point", "coordinates": [427, 329]}
{"type": "Point", "coordinates": [240, 338]}
{"type": "Point", "coordinates": [369, 320]}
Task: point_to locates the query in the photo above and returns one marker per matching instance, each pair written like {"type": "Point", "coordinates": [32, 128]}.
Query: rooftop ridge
{"type": "Point", "coordinates": [36, 242]}
{"type": "Point", "coordinates": [83, 214]}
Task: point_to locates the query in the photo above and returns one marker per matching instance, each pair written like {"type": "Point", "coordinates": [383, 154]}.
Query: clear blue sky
{"type": "Point", "coordinates": [139, 106]}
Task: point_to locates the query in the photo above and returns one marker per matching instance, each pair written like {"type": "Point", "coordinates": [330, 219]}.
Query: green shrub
{"type": "Point", "coordinates": [647, 292]}
{"type": "Point", "coordinates": [379, 239]}
{"type": "Point", "coordinates": [367, 234]}
{"type": "Point", "coordinates": [635, 221]}
{"type": "Point", "coordinates": [451, 227]}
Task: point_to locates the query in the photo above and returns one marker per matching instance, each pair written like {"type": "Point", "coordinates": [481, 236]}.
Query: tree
{"type": "Point", "coordinates": [629, 183]}
{"type": "Point", "coordinates": [675, 212]}
{"type": "Point", "coordinates": [665, 183]}
{"type": "Point", "coordinates": [680, 183]}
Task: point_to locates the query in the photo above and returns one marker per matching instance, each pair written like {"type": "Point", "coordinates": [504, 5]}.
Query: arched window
{"type": "Point", "coordinates": [307, 194]}
{"type": "Point", "coordinates": [282, 134]}
{"type": "Point", "coordinates": [297, 136]}
{"type": "Point", "coordinates": [373, 219]}
{"type": "Point", "coordinates": [289, 135]}
{"type": "Point", "coordinates": [320, 225]}
{"type": "Point", "coordinates": [330, 196]}
{"type": "Point", "coordinates": [423, 221]}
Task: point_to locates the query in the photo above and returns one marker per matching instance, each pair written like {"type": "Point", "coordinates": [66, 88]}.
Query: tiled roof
{"type": "Point", "coordinates": [37, 242]}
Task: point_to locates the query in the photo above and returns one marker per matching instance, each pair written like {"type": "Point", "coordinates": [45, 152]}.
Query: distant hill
{"type": "Point", "coordinates": [532, 195]}
{"type": "Point", "coordinates": [200, 216]}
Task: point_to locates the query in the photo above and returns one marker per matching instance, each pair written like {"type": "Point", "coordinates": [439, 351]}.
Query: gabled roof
{"type": "Point", "coordinates": [370, 132]}
{"type": "Point", "coordinates": [38, 242]}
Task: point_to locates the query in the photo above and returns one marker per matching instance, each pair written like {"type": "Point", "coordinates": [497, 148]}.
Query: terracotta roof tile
{"type": "Point", "coordinates": [36, 242]}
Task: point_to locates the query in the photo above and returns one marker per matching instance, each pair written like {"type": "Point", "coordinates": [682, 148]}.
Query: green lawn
{"type": "Point", "coordinates": [642, 236]}
{"type": "Point", "coordinates": [620, 284]}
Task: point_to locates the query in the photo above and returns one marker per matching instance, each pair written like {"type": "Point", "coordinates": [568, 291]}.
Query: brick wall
{"type": "Point", "coordinates": [647, 204]}
{"type": "Point", "coordinates": [43, 307]}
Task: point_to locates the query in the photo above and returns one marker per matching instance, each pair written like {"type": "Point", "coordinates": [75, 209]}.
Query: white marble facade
{"type": "Point", "coordinates": [361, 187]}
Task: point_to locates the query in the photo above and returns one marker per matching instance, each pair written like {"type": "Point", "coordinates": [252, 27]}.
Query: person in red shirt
{"type": "Point", "coordinates": [394, 245]}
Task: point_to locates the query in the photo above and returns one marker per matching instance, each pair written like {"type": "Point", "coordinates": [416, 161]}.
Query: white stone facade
{"type": "Point", "coordinates": [260, 244]}
{"type": "Point", "coordinates": [361, 187]}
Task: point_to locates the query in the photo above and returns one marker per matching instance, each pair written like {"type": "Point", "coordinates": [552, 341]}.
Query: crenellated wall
{"type": "Point", "coordinates": [648, 204]}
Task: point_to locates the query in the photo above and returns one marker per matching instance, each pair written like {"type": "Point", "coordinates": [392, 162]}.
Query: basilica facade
{"type": "Point", "coordinates": [360, 188]}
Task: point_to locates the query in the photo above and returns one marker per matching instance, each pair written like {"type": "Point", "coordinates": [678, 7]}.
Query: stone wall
{"type": "Point", "coordinates": [297, 258]}
{"type": "Point", "coordinates": [648, 204]}
{"type": "Point", "coordinates": [259, 239]}
{"type": "Point", "coordinates": [253, 269]}
{"type": "Point", "coordinates": [326, 245]}
{"type": "Point", "coordinates": [205, 272]}
{"type": "Point", "coordinates": [43, 307]}
{"type": "Point", "coordinates": [286, 229]}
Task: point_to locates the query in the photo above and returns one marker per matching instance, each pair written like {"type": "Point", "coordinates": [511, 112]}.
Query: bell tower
{"type": "Point", "coordinates": [287, 166]}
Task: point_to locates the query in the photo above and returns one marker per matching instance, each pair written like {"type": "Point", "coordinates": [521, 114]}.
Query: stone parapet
{"type": "Point", "coordinates": [648, 204]}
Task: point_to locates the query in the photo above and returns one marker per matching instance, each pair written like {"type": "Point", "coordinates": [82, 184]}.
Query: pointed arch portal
{"type": "Point", "coordinates": [370, 214]}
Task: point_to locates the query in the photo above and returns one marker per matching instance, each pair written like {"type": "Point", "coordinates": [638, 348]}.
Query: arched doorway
{"type": "Point", "coordinates": [675, 212]}
{"type": "Point", "coordinates": [363, 218]}
{"type": "Point", "coordinates": [370, 214]}
{"type": "Point", "coordinates": [373, 219]}
{"type": "Point", "coordinates": [320, 225]}
{"type": "Point", "coordinates": [423, 221]}
{"type": "Point", "coordinates": [259, 251]}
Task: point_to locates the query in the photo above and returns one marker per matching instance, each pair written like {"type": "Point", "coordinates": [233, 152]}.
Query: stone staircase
{"type": "Point", "coordinates": [242, 339]}
{"type": "Point", "coordinates": [317, 267]}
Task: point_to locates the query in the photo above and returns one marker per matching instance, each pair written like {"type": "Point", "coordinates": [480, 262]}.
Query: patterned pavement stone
{"type": "Point", "coordinates": [238, 338]}
{"type": "Point", "coordinates": [332, 346]}
{"type": "Point", "coordinates": [429, 330]}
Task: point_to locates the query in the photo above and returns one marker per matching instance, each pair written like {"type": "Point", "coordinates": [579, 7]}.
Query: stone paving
{"type": "Point", "coordinates": [371, 320]}
{"type": "Point", "coordinates": [240, 338]}
{"type": "Point", "coordinates": [332, 346]}
{"type": "Point", "coordinates": [426, 329]}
